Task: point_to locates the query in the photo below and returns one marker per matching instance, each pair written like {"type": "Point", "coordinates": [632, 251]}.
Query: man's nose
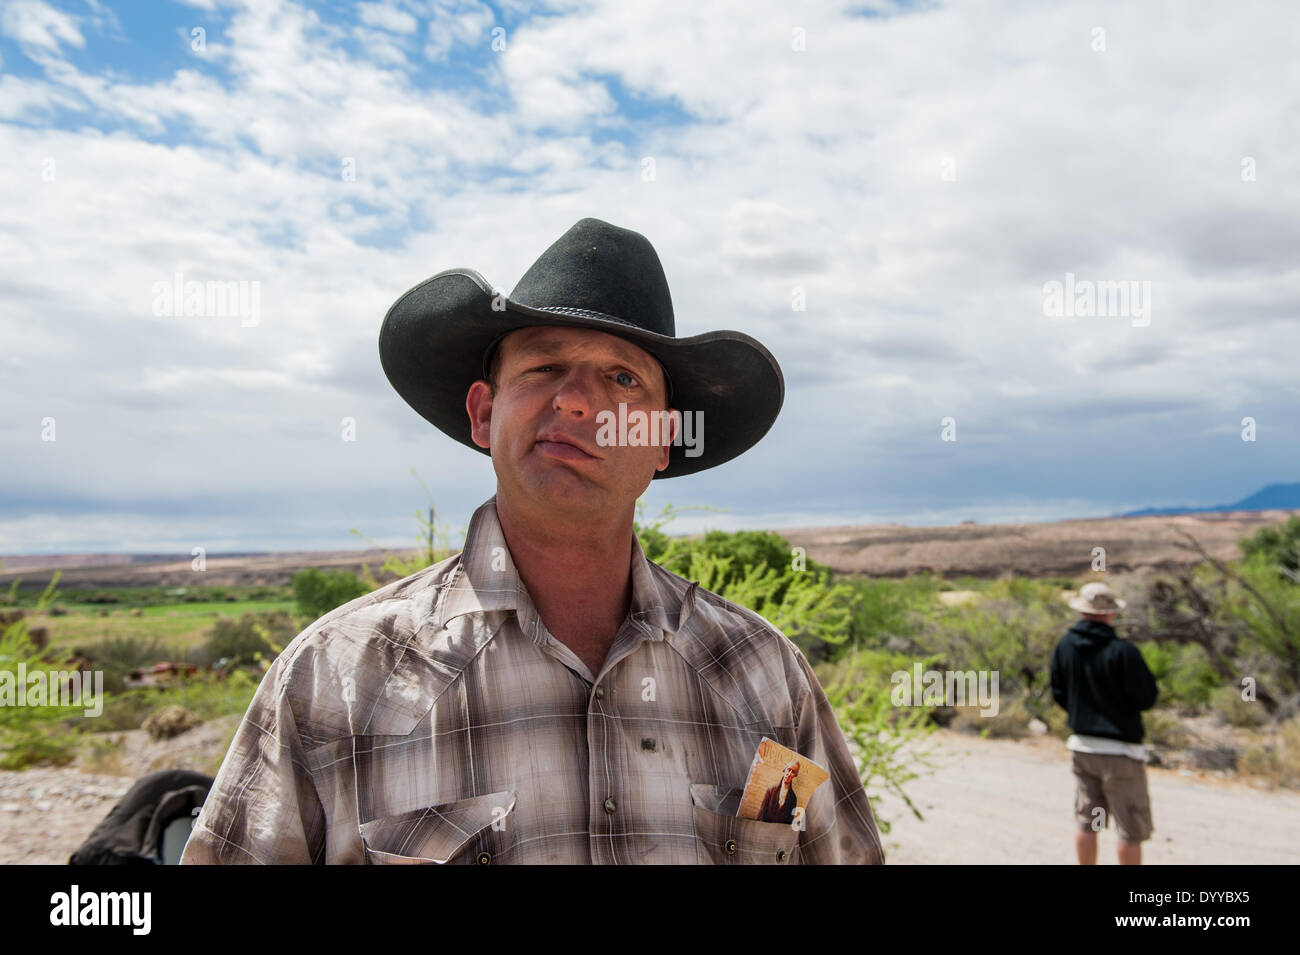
{"type": "Point", "coordinates": [577, 392]}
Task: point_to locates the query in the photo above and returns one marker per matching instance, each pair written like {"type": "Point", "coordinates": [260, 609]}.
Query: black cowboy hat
{"type": "Point", "coordinates": [438, 339]}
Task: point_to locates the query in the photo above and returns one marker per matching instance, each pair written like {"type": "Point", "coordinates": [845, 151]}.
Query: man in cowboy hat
{"type": "Point", "coordinates": [548, 695]}
{"type": "Point", "coordinates": [1105, 683]}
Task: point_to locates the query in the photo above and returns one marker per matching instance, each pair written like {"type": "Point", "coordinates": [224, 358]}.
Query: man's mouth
{"type": "Point", "coordinates": [558, 446]}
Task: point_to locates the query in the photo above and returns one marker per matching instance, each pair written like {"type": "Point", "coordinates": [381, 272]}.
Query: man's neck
{"type": "Point", "coordinates": [578, 574]}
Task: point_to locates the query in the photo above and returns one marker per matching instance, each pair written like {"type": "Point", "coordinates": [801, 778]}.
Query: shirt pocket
{"type": "Point", "coordinates": [726, 839]}
{"type": "Point", "coordinates": [441, 834]}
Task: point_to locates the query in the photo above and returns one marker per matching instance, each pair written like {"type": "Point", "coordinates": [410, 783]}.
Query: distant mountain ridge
{"type": "Point", "coordinates": [1272, 497]}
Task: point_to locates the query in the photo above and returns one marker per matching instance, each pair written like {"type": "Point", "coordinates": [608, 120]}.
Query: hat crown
{"type": "Point", "coordinates": [1099, 595]}
{"type": "Point", "coordinates": [601, 269]}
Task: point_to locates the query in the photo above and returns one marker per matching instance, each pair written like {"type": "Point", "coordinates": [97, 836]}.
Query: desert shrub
{"type": "Point", "coordinates": [320, 591]}
{"type": "Point", "coordinates": [169, 721]}
{"type": "Point", "coordinates": [813, 613]}
{"type": "Point", "coordinates": [1277, 762]}
{"type": "Point", "coordinates": [31, 735]}
{"type": "Point", "coordinates": [1058, 722]}
{"type": "Point", "coordinates": [118, 656]}
{"type": "Point", "coordinates": [1164, 728]}
{"type": "Point", "coordinates": [1277, 547]}
{"type": "Point", "coordinates": [125, 711]}
{"type": "Point", "coordinates": [1003, 634]}
{"type": "Point", "coordinates": [1265, 606]}
{"type": "Point", "coordinates": [96, 597]}
{"type": "Point", "coordinates": [1244, 617]}
{"type": "Point", "coordinates": [1011, 721]}
{"type": "Point", "coordinates": [209, 697]}
{"type": "Point", "coordinates": [246, 640]}
{"type": "Point", "coordinates": [887, 742]}
{"type": "Point", "coordinates": [1227, 701]}
{"type": "Point", "coordinates": [1183, 673]}
{"type": "Point", "coordinates": [105, 754]}
{"type": "Point", "coordinates": [888, 608]}
{"type": "Point", "coordinates": [1025, 591]}
{"type": "Point", "coordinates": [758, 570]}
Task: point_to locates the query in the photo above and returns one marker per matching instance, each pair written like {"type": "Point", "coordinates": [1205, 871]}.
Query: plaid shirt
{"type": "Point", "coordinates": [437, 720]}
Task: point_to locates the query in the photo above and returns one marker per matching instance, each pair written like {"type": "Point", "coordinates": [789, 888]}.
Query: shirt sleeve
{"type": "Point", "coordinates": [263, 807]}
{"type": "Point", "coordinates": [839, 828]}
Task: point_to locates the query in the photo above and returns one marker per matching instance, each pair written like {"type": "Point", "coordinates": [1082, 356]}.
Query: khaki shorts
{"type": "Point", "coordinates": [1116, 785]}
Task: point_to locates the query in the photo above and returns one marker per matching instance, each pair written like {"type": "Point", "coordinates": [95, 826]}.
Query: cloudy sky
{"type": "Point", "coordinates": [918, 173]}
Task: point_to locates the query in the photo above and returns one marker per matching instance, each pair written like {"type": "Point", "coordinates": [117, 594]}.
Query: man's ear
{"type": "Point", "coordinates": [478, 404]}
{"type": "Point", "coordinates": [668, 436]}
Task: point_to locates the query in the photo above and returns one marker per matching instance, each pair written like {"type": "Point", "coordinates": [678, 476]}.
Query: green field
{"type": "Point", "coordinates": [179, 625]}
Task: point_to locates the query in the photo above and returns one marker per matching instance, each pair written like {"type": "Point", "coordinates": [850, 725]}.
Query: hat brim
{"type": "Point", "coordinates": [434, 338]}
{"type": "Point", "coordinates": [1078, 604]}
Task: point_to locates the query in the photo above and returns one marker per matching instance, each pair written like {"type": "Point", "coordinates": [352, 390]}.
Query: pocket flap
{"type": "Point", "coordinates": [433, 834]}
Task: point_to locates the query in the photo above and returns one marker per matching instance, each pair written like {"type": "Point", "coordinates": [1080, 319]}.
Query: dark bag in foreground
{"type": "Point", "coordinates": [150, 824]}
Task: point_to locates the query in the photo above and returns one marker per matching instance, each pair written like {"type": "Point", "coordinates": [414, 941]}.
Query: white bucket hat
{"type": "Point", "coordinates": [1096, 597]}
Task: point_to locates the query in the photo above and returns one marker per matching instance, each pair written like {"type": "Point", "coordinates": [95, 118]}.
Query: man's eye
{"type": "Point", "coordinates": [631, 380]}
{"type": "Point", "coordinates": [543, 368]}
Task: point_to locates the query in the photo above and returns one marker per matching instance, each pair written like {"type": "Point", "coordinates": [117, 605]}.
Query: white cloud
{"type": "Point", "coordinates": [387, 17]}
{"type": "Point", "coordinates": [774, 169]}
{"type": "Point", "coordinates": [455, 22]}
{"type": "Point", "coordinates": [38, 25]}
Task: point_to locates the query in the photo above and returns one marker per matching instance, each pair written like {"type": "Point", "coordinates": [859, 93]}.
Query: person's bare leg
{"type": "Point", "coordinates": [1130, 853]}
{"type": "Point", "coordinates": [1085, 844]}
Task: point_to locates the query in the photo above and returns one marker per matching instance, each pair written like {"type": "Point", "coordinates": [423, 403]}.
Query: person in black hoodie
{"type": "Point", "coordinates": [1104, 683]}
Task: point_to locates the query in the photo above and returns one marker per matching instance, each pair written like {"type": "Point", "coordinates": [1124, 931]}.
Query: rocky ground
{"type": "Point", "coordinates": [47, 812]}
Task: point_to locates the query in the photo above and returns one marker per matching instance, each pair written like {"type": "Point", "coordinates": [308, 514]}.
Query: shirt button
{"type": "Point", "coordinates": [484, 858]}
{"type": "Point", "coordinates": [600, 692]}
{"type": "Point", "coordinates": [730, 846]}
{"type": "Point", "coordinates": [609, 805]}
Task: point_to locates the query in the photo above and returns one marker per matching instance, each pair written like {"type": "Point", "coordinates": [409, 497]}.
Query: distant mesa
{"type": "Point", "coordinates": [1281, 497]}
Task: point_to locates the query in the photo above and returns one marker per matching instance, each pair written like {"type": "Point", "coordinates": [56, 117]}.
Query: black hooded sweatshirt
{"type": "Point", "coordinates": [1102, 681]}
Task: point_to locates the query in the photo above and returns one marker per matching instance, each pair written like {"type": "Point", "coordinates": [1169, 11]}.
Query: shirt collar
{"type": "Point", "coordinates": [486, 580]}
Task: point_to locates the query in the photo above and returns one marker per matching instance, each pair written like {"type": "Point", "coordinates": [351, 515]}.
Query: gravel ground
{"type": "Point", "coordinates": [46, 813]}
{"type": "Point", "coordinates": [1012, 802]}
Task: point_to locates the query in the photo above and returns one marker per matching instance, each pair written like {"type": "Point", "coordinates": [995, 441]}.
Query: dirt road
{"type": "Point", "coordinates": [1011, 802]}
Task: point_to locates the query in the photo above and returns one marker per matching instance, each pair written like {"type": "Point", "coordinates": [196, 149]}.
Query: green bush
{"type": "Point", "coordinates": [758, 570]}
{"type": "Point", "coordinates": [1227, 701]}
{"type": "Point", "coordinates": [31, 735]}
{"type": "Point", "coordinates": [887, 742]}
{"type": "Point", "coordinates": [1164, 728]}
{"type": "Point", "coordinates": [1183, 673]}
{"type": "Point", "coordinates": [887, 607]}
{"type": "Point", "coordinates": [1014, 636]}
{"type": "Point", "coordinates": [118, 656]}
{"type": "Point", "coordinates": [126, 710]}
{"type": "Point", "coordinates": [1277, 547]}
{"type": "Point", "coordinates": [247, 640]}
{"type": "Point", "coordinates": [320, 591]}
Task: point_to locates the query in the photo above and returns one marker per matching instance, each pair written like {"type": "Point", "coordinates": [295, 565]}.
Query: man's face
{"type": "Point", "coordinates": [555, 381]}
{"type": "Point", "coordinates": [790, 773]}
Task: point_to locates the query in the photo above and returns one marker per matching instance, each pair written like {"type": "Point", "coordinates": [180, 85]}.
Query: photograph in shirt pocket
{"type": "Point", "coordinates": [780, 784]}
